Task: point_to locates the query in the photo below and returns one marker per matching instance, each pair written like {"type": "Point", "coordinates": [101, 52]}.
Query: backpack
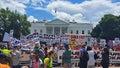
{"type": "Point", "coordinates": [66, 55]}
{"type": "Point", "coordinates": [40, 53]}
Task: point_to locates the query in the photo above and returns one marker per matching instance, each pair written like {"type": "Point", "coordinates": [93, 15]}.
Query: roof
{"type": "Point", "coordinates": [54, 22]}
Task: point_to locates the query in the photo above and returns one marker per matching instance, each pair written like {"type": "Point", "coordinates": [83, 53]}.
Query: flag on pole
{"type": "Point", "coordinates": [55, 10]}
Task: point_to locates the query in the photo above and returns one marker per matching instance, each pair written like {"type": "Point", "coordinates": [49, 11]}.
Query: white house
{"type": "Point", "coordinates": [60, 27]}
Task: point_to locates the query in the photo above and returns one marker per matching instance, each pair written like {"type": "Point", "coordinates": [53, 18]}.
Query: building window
{"type": "Point", "coordinates": [71, 32]}
{"type": "Point", "coordinates": [49, 30]}
{"type": "Point", "coordinates": [41, 31]}
{"type": "Point", "coordinates": [82, 31]}
{"type": "Point", "coordinates": [57, 30]}
{"type": "Point", "coordinates": [88, 31]}
{"type": "Point", "coordinates": [35, 30]}
{"type": "Point", "coordinates": [64, 30]}
{"type": "Point", "coordinates": [77, 32]}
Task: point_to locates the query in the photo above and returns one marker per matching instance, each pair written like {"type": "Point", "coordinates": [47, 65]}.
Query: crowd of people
{"type": "Point", "coordinates": [45, 56]}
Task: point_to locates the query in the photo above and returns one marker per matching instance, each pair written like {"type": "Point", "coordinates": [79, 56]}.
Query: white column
{"type": "Point", "coordinates": [53, 30]}
{"type": "Point", "coordinates": [60, 30]}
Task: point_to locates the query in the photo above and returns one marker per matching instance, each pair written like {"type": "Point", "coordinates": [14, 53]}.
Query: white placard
{"type": "Point", "coordinates": [93, 40]}
{"type": "Point", "coordinates": [6, 37]}
{"type": "Point", "coordinates": [102, 42]}
{"type": "Point", "coordinates": [11, 33]}
{"type": "Point", "coordinates": [117, 41]}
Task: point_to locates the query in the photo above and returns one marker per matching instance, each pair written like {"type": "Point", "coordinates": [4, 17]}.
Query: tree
{"type": "Point", "coordinates": [12, 20]}
{"type": "Point", "coordinates": [108, 28]}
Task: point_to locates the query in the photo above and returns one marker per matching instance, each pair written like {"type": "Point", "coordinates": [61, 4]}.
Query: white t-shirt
{"type": "Point", "coordinates": [91, 60]}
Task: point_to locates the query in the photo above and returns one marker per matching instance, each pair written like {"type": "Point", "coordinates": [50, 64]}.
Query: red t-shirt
{"type": "Point", "coordinates": [117, 48]}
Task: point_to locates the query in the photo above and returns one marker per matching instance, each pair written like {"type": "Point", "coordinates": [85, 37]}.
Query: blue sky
{"type": "Point", "coordinates": [82, 11]}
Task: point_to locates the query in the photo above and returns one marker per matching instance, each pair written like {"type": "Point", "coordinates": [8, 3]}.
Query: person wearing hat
{"type": "Point", "coordinates": [38, 50]}
{"type": "Point", "coordinates": [66, 57]}
{"type": "Point", "coordinates": [3, 59]}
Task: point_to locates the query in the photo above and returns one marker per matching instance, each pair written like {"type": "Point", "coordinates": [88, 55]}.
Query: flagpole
{"type": "Point", "coordinates": [55, 12]}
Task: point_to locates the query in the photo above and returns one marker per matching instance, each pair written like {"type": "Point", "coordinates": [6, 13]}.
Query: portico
{"type": "Point", "coordinates": [56, 27]}
{"type": "Point", "coordinates": [56, 30]}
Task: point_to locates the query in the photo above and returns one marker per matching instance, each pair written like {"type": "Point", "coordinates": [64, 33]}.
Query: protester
{"type": "Point", "coordinates": [39, 51]}
{"type": "Point", "coordinates": [6, 51]}
{"type": "Point", "coordinates": [48, 61]}
{"type": "Point", "coordinates": [91, 61]}
{"type": "Point", "coordinates": [15, 57]}
{"type": "Point", "coordinates": [46, 51]}
{"type": "Point", "coordinates": [35, 61]}
{"type": "Point", "coordinates": [105, 58]}
{"type": "Point", "coordinates": [117, 47]}
{"type": "Point", "coordinates": [54, 48]}
{"type": "Point", "coordinates": [66, 57]}
{"type": "Point", "coordinates": [95, 47]}
{"type": "Point", "coordinates": [83, 55]}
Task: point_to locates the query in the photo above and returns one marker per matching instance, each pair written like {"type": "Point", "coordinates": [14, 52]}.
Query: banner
{"type": "Point", "coordinates": [15, 42]}
{"type": "Point", "coordinates": [114, 57]}
{"type": "Point", "coordinates": [76, 36]}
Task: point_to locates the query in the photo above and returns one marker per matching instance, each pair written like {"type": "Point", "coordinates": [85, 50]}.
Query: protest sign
{"type": "Point", "coordinates": [11, 33]}
{"type": "Point", "coordinates": [117, 41]}
{"type": "Point", "coordinates": [6, 37]}
{"type": "Point", "coordinates": [102, 42]}
{"type": "Point", "coordinates": [114, 57]}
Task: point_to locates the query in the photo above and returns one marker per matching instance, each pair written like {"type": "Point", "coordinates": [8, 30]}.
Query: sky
{"type": "Point", "coordinates": [81, 11]}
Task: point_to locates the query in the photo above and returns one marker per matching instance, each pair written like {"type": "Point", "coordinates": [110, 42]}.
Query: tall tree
{"type": "Point", "coordinates": [12, 20]}
{"type": "Point", "coordinates": [108, 27]}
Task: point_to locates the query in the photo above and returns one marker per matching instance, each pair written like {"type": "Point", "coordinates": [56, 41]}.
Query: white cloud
{"type": "Point", "coordinates": [87, 11]}
{"type": "Point", "coordinates": [31, 19]}
{"type": "Point", "coordinates": [23, 1]}
{"type": "Point", "coordinates": [38, 2]}
{"type": "Point", "coordinates": [13, 5]}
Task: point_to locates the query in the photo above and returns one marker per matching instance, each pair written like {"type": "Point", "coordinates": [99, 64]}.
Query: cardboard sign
{"type": "Point", "coordinates": [6, 37]}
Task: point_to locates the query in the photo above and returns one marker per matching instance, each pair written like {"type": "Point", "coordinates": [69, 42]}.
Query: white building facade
{"type": "Point", "coordinates": [60, 27]}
